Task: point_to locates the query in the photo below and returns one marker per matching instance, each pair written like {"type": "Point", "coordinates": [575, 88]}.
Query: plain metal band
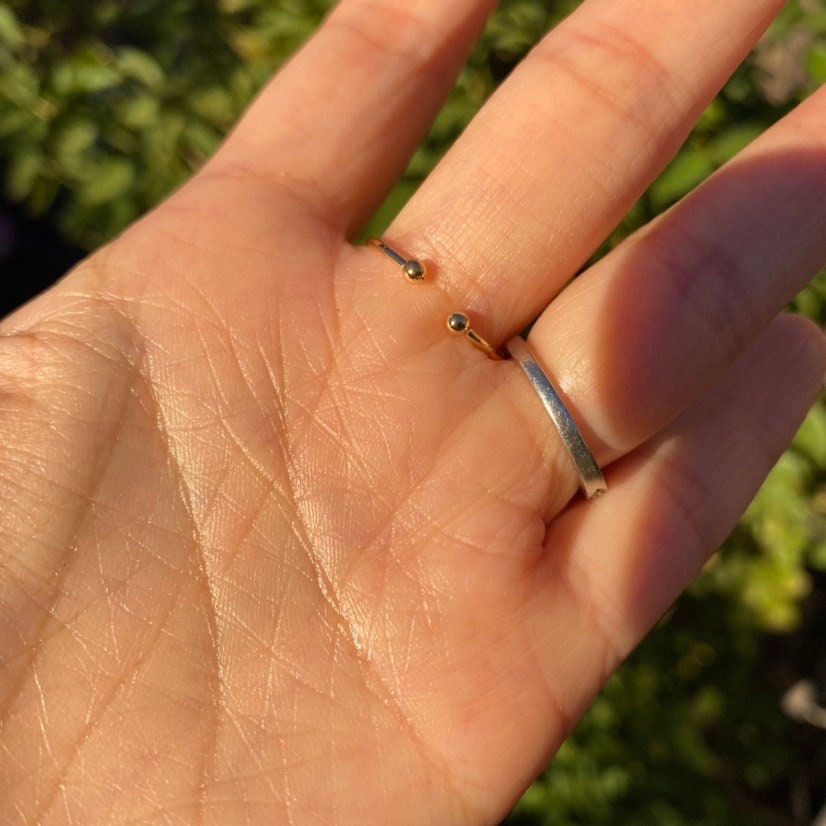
{"type": "Point", "coordinates": [591, 479]}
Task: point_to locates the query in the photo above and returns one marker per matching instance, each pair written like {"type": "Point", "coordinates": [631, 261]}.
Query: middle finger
{"type": "Point", "coordinates": [567, 145]}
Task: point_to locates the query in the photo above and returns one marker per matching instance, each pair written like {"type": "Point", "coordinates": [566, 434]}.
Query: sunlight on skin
{"type": "Point", "coordinates": [277, 548]}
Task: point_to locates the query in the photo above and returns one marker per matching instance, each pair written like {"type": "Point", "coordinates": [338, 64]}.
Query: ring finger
{"type": "Point", "coordinates": [638, 337]}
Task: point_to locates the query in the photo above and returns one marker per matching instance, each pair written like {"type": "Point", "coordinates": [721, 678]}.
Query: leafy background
{"type": "Point", "coordinates": [106, 106]}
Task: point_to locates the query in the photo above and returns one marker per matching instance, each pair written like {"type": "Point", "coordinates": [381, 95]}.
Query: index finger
{"type": "Point", "coordinates": [338, 124]}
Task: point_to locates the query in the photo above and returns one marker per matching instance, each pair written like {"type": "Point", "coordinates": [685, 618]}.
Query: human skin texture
{"type": "Point", "coordinates": [275, 546]}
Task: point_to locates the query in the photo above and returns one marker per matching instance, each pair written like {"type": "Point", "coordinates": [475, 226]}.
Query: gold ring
{"type": "Point", "coordinates": [457, 322]}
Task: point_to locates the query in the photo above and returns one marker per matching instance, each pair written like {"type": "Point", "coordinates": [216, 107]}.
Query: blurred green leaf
{"type": "Point", "coordinates": [201, 139]}
{"type": "Point", "coordinates": [215, 104]}
{"type": "Point", "coordinates": [139, 112]}
{"type": "Point", "coordinates": [14, 120]}
{"type": "Point", "coordinates": [714, 117]}
{"type": "Point", "coordinates": [689, 169]}
{"type": "Point", "coordinates": [811, 438]}
{"type": "Point", "coordinates": [83, 74]}
{"type": "Point", "coordinates": [73, 139]}
{"type": "Point", "coordinates": [112, 178]}
{"type": "Point", "coordinates": [22, 174]}
{"type": "Point", "coordinates": [732, 141]}
{"type": "Point", "coordinates": [11, 32]}
{"type": "Point", "coordinates": [816, 63]}
{"type": "Point", "coordinates": [140, 66]}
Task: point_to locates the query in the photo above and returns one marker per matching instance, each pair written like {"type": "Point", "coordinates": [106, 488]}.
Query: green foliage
{"type": "Point", "coordinates": [671, 740]}
{"type": "Point", "coordinates": [106, 106]}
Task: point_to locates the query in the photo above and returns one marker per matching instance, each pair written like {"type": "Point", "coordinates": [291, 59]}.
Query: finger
{"type": "Point", "coordinates": [338, 125]}
{"type": "Point", "coordinates": [613, 566]}
{"type": "Point", "coordinates": [568, 144]}
{"type": "Point", "coordinates": [632, 342]}
{"type": "Point", "coordinates": [638, 337]}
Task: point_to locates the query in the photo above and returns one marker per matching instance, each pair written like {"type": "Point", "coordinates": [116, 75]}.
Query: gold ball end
{"type": "Point", "coordinates": [458, 323]}
{"type": "Point", "coordinates": [415, 271]}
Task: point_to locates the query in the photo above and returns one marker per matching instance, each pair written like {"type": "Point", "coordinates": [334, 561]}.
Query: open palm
{"type": "Point", "coordinates": [278, 548]}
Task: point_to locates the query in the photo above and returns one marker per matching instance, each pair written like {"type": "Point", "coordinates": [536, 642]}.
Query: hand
{"type": "Point", "coordinates": [279, 549]}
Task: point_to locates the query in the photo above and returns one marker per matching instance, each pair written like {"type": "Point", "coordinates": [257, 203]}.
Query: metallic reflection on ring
{"type": "Point", "coordinates": [591, 479]}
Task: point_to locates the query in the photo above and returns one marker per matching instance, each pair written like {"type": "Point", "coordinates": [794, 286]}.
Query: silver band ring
{"type": "Point", "coordinates": [591, 479]}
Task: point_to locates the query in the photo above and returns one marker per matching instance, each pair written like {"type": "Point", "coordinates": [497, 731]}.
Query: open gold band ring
{"type": "Point", "coordinates": [590, 476]}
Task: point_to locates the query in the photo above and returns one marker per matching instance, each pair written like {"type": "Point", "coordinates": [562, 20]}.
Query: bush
{"type": "Point", "coordinates": [107, 106]}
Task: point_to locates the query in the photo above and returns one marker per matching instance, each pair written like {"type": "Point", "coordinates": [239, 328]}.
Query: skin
{"type": "Point", "coordinates": [276, 547]}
